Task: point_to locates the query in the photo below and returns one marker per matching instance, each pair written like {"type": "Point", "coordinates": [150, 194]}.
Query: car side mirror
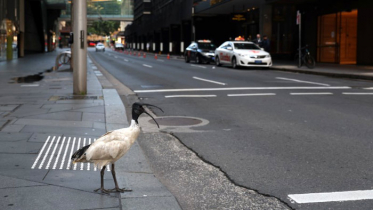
{"type": "Point", "coordinates": [262, 49]}
{"type": "Point", "coordinates": [229, 48]}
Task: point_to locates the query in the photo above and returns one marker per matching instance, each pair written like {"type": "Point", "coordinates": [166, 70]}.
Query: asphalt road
{"type": "Point", "coordinates": [276, 132]}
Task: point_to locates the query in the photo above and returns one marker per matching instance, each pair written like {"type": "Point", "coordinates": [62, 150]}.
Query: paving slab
{"type": "Point", "coordinates": [57, 123]}
{"type": "Point", "coordinates": [14, 137]}
{"type": "Point", "coordinates": [68, 131]}
{"type": "Point", "coordinates": [42, 137]}
{"type": "Point", "coordinates": [53, 197]}
{"type": "Point", "coordinates": [95, 109]}
{"type": "Point", "coordinates": [72, 116]}
{"type": "Point", "coordinates": [95, 117]}
{"type": "Point", "coordinates": [20, 147]}
{"type": "Point", "coordinates": [133, 161]}
{"type": "Point", "coordinates": [13, 128]}
{"type": "Point", "coordinates": [11, 182]}
{"type": "Point", "coordinates": [154, 203]}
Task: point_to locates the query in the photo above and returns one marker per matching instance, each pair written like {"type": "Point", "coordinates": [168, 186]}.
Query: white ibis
{"type": "Point", "coordinates": [112, 146]}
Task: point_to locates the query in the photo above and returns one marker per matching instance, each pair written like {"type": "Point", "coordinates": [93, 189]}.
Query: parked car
{"type": "Point", "coordinates": [100, 47]}
{"type": "Point", "coordinates": [201, 51]}
{"type": "Point", "coordinates": [119, 46]}
{"type": "Point", "coordinates": [242, 53]}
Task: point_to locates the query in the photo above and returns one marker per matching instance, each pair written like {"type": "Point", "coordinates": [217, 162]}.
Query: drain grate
{"type": "Point", "coordinates": [58, 98]}
{"type": "Point", "coordinates": [56, 153]}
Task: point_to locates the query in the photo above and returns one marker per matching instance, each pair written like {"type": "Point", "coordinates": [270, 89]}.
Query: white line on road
{"type": "Point", "coordinates": [345, 93]}
{"type": "Point", "coordinates": [295, 80]}
{"type": "Point", "coordinates": [241, 88]}
{"type": "Point", "coordinates": [126, 60]}
{"type": "Point", "coordinates": [82, 164]}
{"type": "Point", "coordinates": [301, 94]}
{"type": "Point", "coordinates": [198, 66]}
{"type": "Point", "coordinates": [46, 154]}
{"type": "Point", "coordinates": [78, 147]}
{"type": "Point", "coordinates": [253, 94]}
{"type": "Point", "coordinates": [332, 196]}
{"type": "Point", "coordinates": [160, 60]}
{"type": "Point", "coordinates": [64, 154]}
{"type": "Point", "coordinates": [147, 66]}
{"type": "Point", "coordinates": [31, 85]}
{"type": "Point", "coordinates": [41, 151]}
{"type": "Point", "coordinates": [54, 150]}
{"type": "Point", "coordinates": [190, 96]}
{"type": "Point", "coordinates": [206, 80]}
{"type": "Point", "coordinates": [369, 88]}
{"type": "Point", "coordinates": [71, 154]}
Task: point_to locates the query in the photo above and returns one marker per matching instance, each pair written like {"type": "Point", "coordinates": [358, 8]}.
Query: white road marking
{"type": "Point", "coordinates": [253, 94]}
{"type": "Point", "coordinates": [332, 196]}
{"type": "Point", "coordinates": [300, 94]}
{"type": "Point", "coordinates": [78, 147]}
{"type": "Point", "coordinates": [82, 164]}
{"type": "Point", "coordinates": [41, 151]}
{"type": "Point", "coordinates": [369, 88]}
{"type": "Point", "coordinates": [71, 154]}
{"type": "Point", "coordinates": [160, 60]}
{"type": "Point", "coordinates": [64, 154]}
{"type": "Point", "coordinates": [295, 80]}
{"type": "Point", "coordinates": [147, 66]}
{"type": "Point", "coordinates": [30, 85]}
{"type": "Point", "coordinates": [346, 93]}
{"type": "Point", "coordinates": [89, 164]}
{"type": "Point", "coordinates": [206, 80]}
{"type": "Point", "coordinates": [126, 60]}
{"type": "Point", "coordinates": [59, 153]}
{"type": "Point", "coordinates": [198, 66]}
{"type": "Point", "coordinates": [115, 57]}
{"type": "Point", "coordinates": [190, 96]}
{"type": "Point", "coordinates": [241, 88]}
{"type": "Point", "coordinates": [54, 150]}
{"type": "Point", "coordinates": [46, 154]}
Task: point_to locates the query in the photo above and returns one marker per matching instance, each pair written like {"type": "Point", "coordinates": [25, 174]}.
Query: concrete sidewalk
{"type": "Point", "coordinates": [332, 70]}
{"type": "Point", "coordinates": [42, 123]}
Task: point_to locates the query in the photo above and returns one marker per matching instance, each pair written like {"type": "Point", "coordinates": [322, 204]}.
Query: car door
{"type": "Point", "coordinates": [224, 53]}
{"type": "Point", "coordinates": [193, 52]}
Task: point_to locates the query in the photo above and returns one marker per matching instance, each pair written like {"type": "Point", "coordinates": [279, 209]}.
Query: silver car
{"type": "Point", "coordinates": [100, 47]}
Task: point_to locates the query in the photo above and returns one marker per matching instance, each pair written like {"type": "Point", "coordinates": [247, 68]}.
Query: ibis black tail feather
{"type": "Point", "coordinates": [79, 155]}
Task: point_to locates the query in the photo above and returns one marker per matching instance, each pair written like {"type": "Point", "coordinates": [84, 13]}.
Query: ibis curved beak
{"type": "Point", "coordinates": [153, 106]}
{"type": "Point", "coordinates": [152, 118]}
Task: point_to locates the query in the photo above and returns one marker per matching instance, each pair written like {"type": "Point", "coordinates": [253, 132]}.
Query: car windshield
{"type": "Point", "coordinates": [100, 45]}
{"type": "Point", "coordinates": [246, 46]}
{"type": "Point", "coordinates": [208, 46]}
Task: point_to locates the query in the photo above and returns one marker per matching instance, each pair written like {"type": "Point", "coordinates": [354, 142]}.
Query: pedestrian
{"type": "Point", "coordinates": [258, 40]}
{"type": "Point", "coordinates": [265, 43]}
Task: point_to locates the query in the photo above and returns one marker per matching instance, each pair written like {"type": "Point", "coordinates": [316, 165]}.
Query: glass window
{"type": "Point", "coordinates": [246, 46]}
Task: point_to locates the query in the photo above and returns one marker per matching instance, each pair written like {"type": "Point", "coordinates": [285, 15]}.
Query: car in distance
{"type": "Point", "coordinates": [201, 51]}
{"type": "Point", "coordinates": [242, 53]}
{"type": "Point", "coordinates": [119, 46]}
{"type": "Point", "coordinates": [100, 47]}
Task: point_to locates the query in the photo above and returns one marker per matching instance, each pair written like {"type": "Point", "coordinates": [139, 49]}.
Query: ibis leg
{"type": "Point", "coordinates": [117, 189]}
{"type": "Point", "coordinates": [102, 181]}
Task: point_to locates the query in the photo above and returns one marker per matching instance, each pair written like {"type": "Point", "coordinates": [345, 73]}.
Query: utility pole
{"type": "Point", "coordinates": [80, 47]}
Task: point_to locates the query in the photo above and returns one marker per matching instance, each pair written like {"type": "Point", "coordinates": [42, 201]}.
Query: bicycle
{"type": "Point", "coordinates": [65, 58]}
{"type": "Point", "coordinates": [306, 58]}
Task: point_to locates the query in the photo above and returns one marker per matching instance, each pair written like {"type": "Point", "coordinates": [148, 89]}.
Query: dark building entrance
{"type": "Point", "coordinates": [337, 37]}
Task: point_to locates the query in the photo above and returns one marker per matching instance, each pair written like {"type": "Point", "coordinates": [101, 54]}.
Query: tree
{"type": "Point", "coordinates": [103, 28]}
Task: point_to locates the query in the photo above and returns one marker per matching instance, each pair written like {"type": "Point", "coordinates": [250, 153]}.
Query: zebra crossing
{"type": "Point", "coordinates": [51, 157]}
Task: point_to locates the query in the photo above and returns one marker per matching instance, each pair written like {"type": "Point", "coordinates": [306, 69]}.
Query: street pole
{"type": "Point", "coordinates": [299, 21]}
{"type": "Point", "coordinates": [80, 48]}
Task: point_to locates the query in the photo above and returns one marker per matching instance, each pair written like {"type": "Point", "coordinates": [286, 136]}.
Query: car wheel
{"type": "Point", "coordinates": [198, 59]}
{"type": "Point", "coordinates": [217, 61]}
{"type": "Point", "coordinates": [234, 63]}
{"type": "Point", "coordinates": [187, 59]}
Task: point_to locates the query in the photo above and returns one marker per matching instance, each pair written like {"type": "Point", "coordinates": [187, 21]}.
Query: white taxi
{"type": "Point", "coordinates": [242, 53]}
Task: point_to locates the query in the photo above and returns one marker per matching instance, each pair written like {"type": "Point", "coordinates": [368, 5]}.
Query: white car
{"type": "Point", "coordinates": [100, 47]}
{"type": "Point", "coordinates": [242, 53]}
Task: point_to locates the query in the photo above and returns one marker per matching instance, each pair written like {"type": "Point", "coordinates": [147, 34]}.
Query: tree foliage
{"type": "Point", "coordinates": [103, 28]}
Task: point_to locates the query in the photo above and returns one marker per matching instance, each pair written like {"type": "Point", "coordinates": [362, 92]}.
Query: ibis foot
{"type": "Point", "coordinates": [103, 190]}
{"type": "Point", "coordinates": [120, 190]}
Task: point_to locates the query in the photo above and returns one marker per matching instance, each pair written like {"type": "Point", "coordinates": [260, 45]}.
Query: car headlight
{"type": "Point", "coordinates": [242, 55]}
{"type": "Point", "coordinates": [268, 56]}
{"type": "Point", "coordinates": [208, 54]}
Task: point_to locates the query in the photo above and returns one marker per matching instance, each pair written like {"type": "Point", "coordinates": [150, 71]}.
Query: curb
{"type": "Point", "coordinates": [329, 74]}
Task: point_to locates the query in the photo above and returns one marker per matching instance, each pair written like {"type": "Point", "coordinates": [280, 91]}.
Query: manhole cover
{"type": "Point", "coordinates": [176, 121]}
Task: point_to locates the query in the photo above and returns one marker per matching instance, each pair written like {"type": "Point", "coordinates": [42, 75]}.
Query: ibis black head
{"type": "Point", "coordinates": [138, 109]}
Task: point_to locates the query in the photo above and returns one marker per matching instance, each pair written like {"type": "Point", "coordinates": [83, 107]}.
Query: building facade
{"type": "Point", "coordinates": [335, 31]}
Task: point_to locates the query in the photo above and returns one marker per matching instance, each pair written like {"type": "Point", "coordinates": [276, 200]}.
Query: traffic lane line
{"type": "Point", "coordinates": [211, 81]}
{"type": "Point", "coordinates": [352, 93]}
{"type": "Point", "coordinates": [147, 66]}
{"type": "Point", "coordinates": [198, 66]}
{"type": "Point", "coordinates": [302, 81]}
{"type": "Point", "coordinates": [190, 96]}
{"type": "Point", "coordinates": [252, 94]}
{"type": "Point", "coordinates": [305, 94]}
{"type": "Point", "coordinates": [241, 88]}
{"type": "Point", "coordinates": [332, 196]}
